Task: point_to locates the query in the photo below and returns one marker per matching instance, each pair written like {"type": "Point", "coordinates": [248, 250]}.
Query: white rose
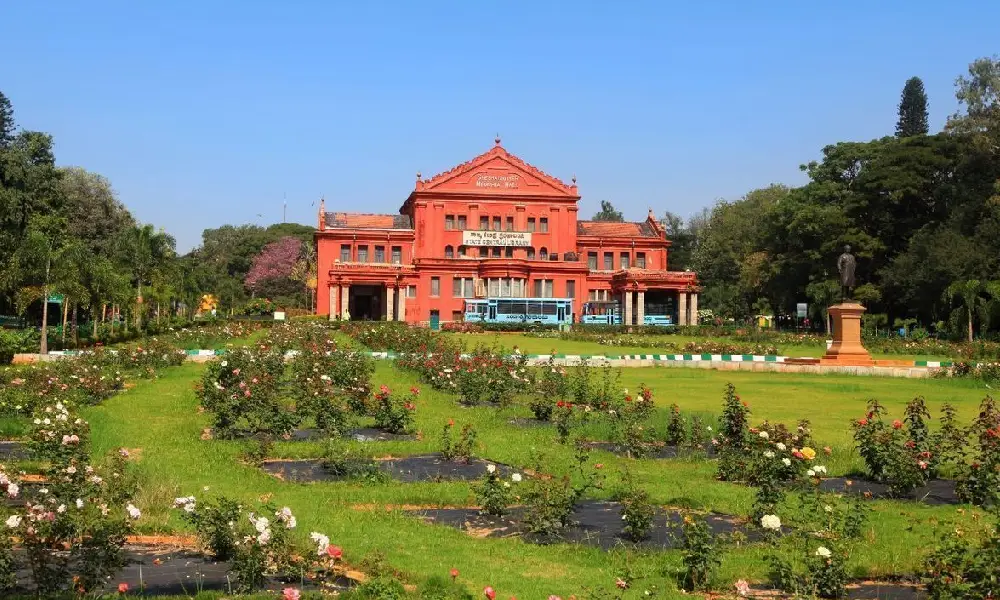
{"type": "Point", "coordinates": [79, 503]}
{"type": "Point", "coordinates": [516, 477]}
{"type": "Point", "coordinates": [13, 521]}
{"type": "Point", "coordinates": [780, 446]}
{"type": "Point", "coordinates": [770, 522]}
{"type": "Point", "coordinates": [823, 551]}
{"type": "Point", "coordinates": [133, 512]}
{"type": "Point", "coordinates": [768, 454]}
{"type": "Point", "coordinates": [811, 473]}
{"type": "Point", "coordinates": [787, 462]}
{"type": "Point", "coordinates": [828, 508]}
{"type": "Point", "coordinates": [491, 468]}
{"type": "Point", "coordinates": [763, 434]}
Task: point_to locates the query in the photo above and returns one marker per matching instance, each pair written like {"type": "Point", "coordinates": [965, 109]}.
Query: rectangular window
{"type": "Point", "coordinates": [463, 287]}
{"type": "Point", "coordinates": [493, 288]}
{"type": "Point", "coordinates": [505, 288]}
{"type": "Point", "coordinates": [531, 224]}
{"type": "Point", "coordinates": [496, 223]}
{"type": "Point", "coordinates": [539, 286]}
{"type": "Point", "coordinates": [624, 260]}
{"type": "Point", "coordinates": [571, 289]}
{"type": "Point", "coordinates": [435, 286]}
{"type": "Point", "coordinates": [462, 223]}
{"type": "Point", "coordinates": [484, 223]}
{"type": "Point", "coordinates": [592, 261]}
{"type": "Point", "coordinates": [449, 221]}
{"type": "Point", "coordinates": [517, 288]}
{"type": "Point", "coordinates": [449, 252]}
{"type": "Point", "coordinates": [544, 224]}
{"type": "Point", "coordinates": [411, 291]}
{"type": "Point", "coordinates": [457, 315]}
{"type": "Point", "coordinates": [496, 252]}
{"type": "Point", "coordinates": [609, 261]}
{"type": "Point", "coordinates": [543, 288]}
{"type": "Point", "coordinates": [510, 223]}
{"type": "Point", "coordinates": [456, 287]}
{"type": "Point", "coordinates": [640, 260]}
{"type": "Point", "coordinates": [380, 254]}
{"type": "Point", "coordinates": [461, 251]}
{"type": "Point", "coordinates": [345, 253]}
{"type": "Point", "coordinates": [397, 255]}
{"type": "Point", "coordinates": [508, 252]}
{"type": "Point", "coordinates": [363, 254]}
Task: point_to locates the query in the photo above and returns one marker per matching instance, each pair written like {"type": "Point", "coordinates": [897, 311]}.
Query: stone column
{"type": "Point", "coordinates": [334, 306]}
{"type": "Point", "coordinates": [694, 309]}
{"type": "Point", "coordinates": [401, 313]}
{"type": "Point", "coordinates": [640, 308]}
{"type": "Point", "coordinates": [390, 304]}
{"type": "Point", "coordinates": [628, 308]}
{"type": "Point", "coordinates": [682, 308]}
{"type": "Point", "coordinates": [344, 297]}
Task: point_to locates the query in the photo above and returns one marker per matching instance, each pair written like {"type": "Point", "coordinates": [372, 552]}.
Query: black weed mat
{"type": "Point", "coordinates": [12, 450]}
{"type": "Point", "coordinates": [937, 491]}
{"type": "Point", "coordinates": [360, 434]}
{"type": "Point", "coordinates": [867, 590]}
{"type": "Point", "coordinates": [594, 523]}
{"type": "Point", "coordinates": [655, 450]}
{"type": "Point", "coordinates": [162, 572]}
{"type": "Point", "coordinates": [407, 469]}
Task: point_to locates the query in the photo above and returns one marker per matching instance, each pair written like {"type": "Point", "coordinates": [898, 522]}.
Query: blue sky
{"type": "Point", "coordinates": [207, 112]}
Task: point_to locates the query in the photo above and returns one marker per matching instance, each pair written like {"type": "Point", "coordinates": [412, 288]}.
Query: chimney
{"type": "Point", "coordinates": [322, 214]}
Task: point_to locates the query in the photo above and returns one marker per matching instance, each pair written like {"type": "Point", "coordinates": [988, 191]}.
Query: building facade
{"type": "Point", "coordinates": [494, 226]}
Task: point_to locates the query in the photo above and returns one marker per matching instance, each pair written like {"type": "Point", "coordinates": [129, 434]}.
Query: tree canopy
{"type": "Point", "coordinates": [608, 213]}
{"type": "Point", "coordinates": [912, 109]}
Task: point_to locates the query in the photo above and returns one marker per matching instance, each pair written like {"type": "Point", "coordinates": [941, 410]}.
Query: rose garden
{"type": "Point", "coordinates": [380, 460]}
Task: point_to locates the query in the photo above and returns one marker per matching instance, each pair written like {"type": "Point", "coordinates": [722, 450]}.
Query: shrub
{"type": "Point", "coordinates": [329, 384]}
{"type": "Point", "coordinates": [676, 431]}
{"type": "Point", "coordinates": [700, 556]}
{"type": "Point", "coordinates": [979, 480]}
{"type": "Point", "coordinates": [551, 387]}
{"type": "Point", "coordinates": [340, 459]}
{"type": "Point", "coordinates": [898, 453]}
{"type": "Point", "coordinates": [637, 510]}
{"type": "Point", "coordinates": [964, 565]}
{"type": "Point", "coordinates": [59, 436]}
{"type": "Point", "coordinates": [550, 500]}
{"type": "Point", "coordinates": [493, 492]}
{"type": "Point", "coordinates": [459, 450]}
{"type": "Point", "coordinates": [241, 390]}
{"type": "Point", "coordinates": [733, 436]}
{"type": "Point", "coordinates": [257, 542]}
{"type": "Point", "coordinates": [699, 433]}
{"type": "Point", "coordinates": [393, 413]}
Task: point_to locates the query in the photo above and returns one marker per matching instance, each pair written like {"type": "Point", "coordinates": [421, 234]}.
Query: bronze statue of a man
{"type": "Point", "coordinates": [845, 266]}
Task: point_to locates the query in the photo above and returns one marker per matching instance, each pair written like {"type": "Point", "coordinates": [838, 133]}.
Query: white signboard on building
{"type": "Point", "coordinates": [496, 238]}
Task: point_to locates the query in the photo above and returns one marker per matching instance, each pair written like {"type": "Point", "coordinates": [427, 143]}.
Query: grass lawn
{"type": "Point", "coordinates": [536, 345]}
{"type": "Point", "coordinates": [161, 419]}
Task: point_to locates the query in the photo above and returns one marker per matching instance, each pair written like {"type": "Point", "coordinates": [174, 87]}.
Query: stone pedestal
{"type": "Point", "coordinates": [846, 349]}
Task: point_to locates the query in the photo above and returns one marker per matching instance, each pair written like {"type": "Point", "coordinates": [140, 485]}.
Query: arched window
{"type": "Point", "coordinates": [543, 254]}
{"type": "Point", "coordinates": [449, 252]}
{"type": "Point", "coordinates": [461, 251]}
{"type": "Point", "coordinates": [531, 254]}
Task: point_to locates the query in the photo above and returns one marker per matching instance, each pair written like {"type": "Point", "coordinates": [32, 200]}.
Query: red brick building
{"type": "Point", "coordinates": [494, 226]}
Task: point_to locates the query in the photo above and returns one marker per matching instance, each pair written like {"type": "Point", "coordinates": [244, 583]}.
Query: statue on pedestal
{"type": "Point", "coordinates": [845, 266]}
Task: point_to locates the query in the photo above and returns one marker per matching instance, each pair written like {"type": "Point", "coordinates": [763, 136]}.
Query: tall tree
{"type": "Point", "coordinates": [7, 124]}
{"type": "Point", "coordinates": [979, 95]}
{"type": "Point", "coordinates": [972, 293]}
{"type": "Point", "coordinates": [912, 109]}
{"type": "Point", "coordinates": [148, 250]}
{"type": "Point", "coordinates": [608, 213]}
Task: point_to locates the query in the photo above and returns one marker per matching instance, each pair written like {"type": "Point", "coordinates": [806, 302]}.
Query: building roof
{"type": "Point", "coordinates": [343, 220]}
{"type": "Point", "coordinates": [620, 230]}
{"type": "Point", "coordinates": [491, 156]}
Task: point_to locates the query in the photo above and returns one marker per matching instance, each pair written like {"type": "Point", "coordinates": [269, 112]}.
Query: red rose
{"type": "Point", "coordinates": [862, 422]}
{"type": "Point", "coordinates": [122, 588]}
{"type": "Point", "coordinates": [334, 552]}
{"type": "Point", "coordinates": [897, 424]}
{"type": "Point", "coordinates": [454, 574]}
{"type": "Point", "coordinates": [489, 593]}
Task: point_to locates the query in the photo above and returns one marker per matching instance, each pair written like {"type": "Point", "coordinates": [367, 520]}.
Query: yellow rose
{"type": "Point", "coordinates": [809, 453]}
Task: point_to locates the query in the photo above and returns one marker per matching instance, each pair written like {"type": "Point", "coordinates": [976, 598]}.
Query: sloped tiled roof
{"type": "Point", "coordinates": [625, 230]}
{"type": "Point", "coordinates": [342, 220]}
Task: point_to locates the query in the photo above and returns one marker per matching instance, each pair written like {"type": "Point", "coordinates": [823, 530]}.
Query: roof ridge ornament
{"type": "Point", "coordinates": [496, 140]}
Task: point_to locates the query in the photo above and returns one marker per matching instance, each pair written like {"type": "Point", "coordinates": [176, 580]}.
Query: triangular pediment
{"type": "Point", "coordinates": [498, 172]}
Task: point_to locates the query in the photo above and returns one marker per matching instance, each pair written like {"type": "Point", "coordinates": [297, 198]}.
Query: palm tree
{"type": "Point", "coordinates": [972, 293]}
{"type": "Point", "coordinates": [147, 250]}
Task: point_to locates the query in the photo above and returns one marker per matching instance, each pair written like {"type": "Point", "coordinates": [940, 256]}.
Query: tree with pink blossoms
{"type": "Point", "coordinates": [276, 261]}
